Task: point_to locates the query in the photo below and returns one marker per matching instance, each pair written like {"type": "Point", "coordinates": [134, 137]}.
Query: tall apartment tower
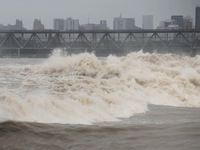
{"type": "Point", "coordinates": [187, 21]}
{"type": "Point", "coordinates": [58, 24]}
{"type": "Point", "coordinates": [37, 25]}
{"type": "Point", "coordinates": [120, 23]}
{"type": "Point", "coordinates": [117, 23]}
{"type": "Point", "coordinates": [123, 23]}
{"type": "Point", "coordinates": [147, 22]}
{"type": "Point", "coordinates": [128, 23]}
{"type": "Point", "coordinates": [197, 18]}
{"type": "Point", "coordinates": [19, 24]}
{"type": "Point", "coordinates": [178, 20]}
{"type": "Point", "coordinates": [71, 24]}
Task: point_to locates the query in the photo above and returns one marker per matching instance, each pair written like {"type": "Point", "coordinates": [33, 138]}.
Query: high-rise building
{"type": "Point", "coordinates": [76, 25]}
{"type": "Point", "coordinates": [120, 23]}
{"type": "Point", "coordinates": [37, 25]}
{"type": "Point", "coordinates": [147, 22]}
{"type": "Point", "coordinates": [58, 24]}
{"type": "Point", "coordinates": [178, 20]}
{"type": "Point", "coordinates": [128, 23]}
{"type": "Point", "coordinates": [117, 23]}
{"type": "Point", "coordinates": [71, 24]}
{"type": "Point", "coordinates": [187, 22]}
{"type": "Point", "coordinates": [197, 18]}
{"type": "Point", "coordinates": [19, 24]}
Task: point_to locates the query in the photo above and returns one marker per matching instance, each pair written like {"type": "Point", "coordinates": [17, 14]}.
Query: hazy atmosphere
{"type": "Point", "coordinates": [100, 74]}
{"type": "Point", "coordinates": [95, 10]}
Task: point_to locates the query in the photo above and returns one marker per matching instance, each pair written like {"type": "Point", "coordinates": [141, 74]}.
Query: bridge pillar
{"type": "Point", "coordinates": [18, 52]}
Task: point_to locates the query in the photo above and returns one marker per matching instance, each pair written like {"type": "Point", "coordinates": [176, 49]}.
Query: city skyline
{"type": "Point", "coordinates": [185, 22]}
{"type": "Point", "coordinates": [92, 10]}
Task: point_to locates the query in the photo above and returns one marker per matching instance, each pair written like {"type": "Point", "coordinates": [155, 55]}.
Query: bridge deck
{"type": "Point", "coordinates": [106, 31]}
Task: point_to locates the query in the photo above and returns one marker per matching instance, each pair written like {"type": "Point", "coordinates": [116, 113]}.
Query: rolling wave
{"type": "Point", "coordinates": [83, 89]}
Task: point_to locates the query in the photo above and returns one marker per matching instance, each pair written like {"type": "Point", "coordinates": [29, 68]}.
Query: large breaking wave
{"type": "Point", "coordinates": [83, 89]}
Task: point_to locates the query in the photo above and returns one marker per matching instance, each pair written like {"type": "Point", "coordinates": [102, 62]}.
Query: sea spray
{"type": "Point", "coordinates": [83, 89]}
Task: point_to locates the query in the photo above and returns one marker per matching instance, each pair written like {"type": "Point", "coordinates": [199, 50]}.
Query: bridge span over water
{"type": "Point", "coordinates": [99, 40]}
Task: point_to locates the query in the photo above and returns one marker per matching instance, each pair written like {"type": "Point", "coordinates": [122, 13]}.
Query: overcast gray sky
{"type": "Point", "coordinates": [47, 10]}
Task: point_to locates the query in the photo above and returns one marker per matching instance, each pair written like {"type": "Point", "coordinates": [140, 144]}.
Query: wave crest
{"type": "Point", "coordinates": [82, 89]}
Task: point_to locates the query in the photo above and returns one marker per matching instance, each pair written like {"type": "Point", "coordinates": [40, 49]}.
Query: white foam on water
{"type": "Point", "coordinates": [83, 89]}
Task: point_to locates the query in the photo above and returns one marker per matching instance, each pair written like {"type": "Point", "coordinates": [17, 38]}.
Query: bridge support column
{"type": "Point", "coordinates": [18, 52]}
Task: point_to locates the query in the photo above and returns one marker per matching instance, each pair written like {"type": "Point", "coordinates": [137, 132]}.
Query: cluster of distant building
{"type": "Point", "coordinates": [181, 22]}
{"type": "Point", "coordinates": [177, 22]}
{"type": "Point", "coordinates": [18, 26]}
{"type": "Point", "coordinates": [37, 25]}
{"type": "Point", "coordinates": [119, 23]}
{"type": "Point", "coordinates": [73, 24]}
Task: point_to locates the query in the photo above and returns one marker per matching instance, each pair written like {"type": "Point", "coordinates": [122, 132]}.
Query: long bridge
{"type": "Point", "coordinates": [99, 40]}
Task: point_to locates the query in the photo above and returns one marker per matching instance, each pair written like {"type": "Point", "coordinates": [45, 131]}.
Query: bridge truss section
{"type": "Point", "coordinates": [100, 40]}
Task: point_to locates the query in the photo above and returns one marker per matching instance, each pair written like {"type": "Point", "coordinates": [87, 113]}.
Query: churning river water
{"type": "Point", "coordinates": [82, 102]}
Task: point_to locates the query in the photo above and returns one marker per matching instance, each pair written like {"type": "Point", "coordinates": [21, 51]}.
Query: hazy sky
{"type": "Point", "coordinates": [96, 10]}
